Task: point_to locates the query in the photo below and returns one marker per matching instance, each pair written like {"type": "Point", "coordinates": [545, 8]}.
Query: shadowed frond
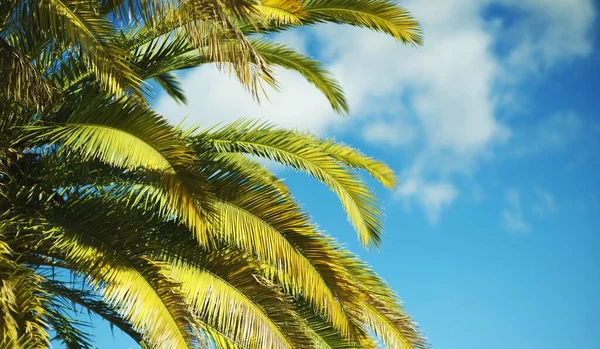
{"type": "Point", "coordinates": [22, 301]}
{"type": "Point", "coordinates": [20, 82]}
{"type": "Point", "coordinates": [76, 22]}
{"type": "Point", "coordinates": [68, 297]}
{"type": "Point", "coordinates": [172, 86]}
{"type": "Point", "coordinates": [323, 335]}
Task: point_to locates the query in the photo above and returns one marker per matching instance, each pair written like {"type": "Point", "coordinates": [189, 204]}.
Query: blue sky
{"type": "Point", "coordinates": [492, 235]}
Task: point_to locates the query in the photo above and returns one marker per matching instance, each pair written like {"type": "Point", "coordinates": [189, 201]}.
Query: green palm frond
{"type": "Point", "coordinates": [76, 22]}
{"type": "Point", "coordinates": [355, 159]}
{"type": "Point", "coordinates": [298, 151]}
{"type": "Point", "coordinates": [72, 333]}
{"type": "Point", "coordinates": [282, 12]}
{"type": "Point", "coordinates": [68, 296]}
{"type": "Point", "coordinates": [172, 86]}
{"type": "Point", "coordinates": [323, 335]}
{"type": "Point", "coordinates": [383, 312]}
{"type": "Point", "coordinates": [313, 71]}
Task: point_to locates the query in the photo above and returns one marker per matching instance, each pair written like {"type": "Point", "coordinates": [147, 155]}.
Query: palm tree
{"type": "Point", "coordinates": [174, 235]}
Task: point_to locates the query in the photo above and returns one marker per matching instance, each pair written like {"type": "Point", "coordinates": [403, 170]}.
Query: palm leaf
{"type": "Point", "coordinates": [379, 15]}
{"type": "Point", "coordinates": [123, 134]}
{"type": "Point", "coordinates": [76, 22]}
{"type": "Point", "coordinates": [299, 152]}
{"type": "Point", "coordinates": [281, 12]}
{"type": "Point", "coordinates": [355, 159]}
{"type": "Point", "coordinates": [172, 86]}
{"type": "Point", "coordinates": [118, 268]}
{"type": "Point", "coordinates": [313, 71]}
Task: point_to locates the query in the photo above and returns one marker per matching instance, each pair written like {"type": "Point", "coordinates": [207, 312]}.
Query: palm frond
{"type": "Point", "coordinates": [22, 304]}
{"type": "Point", "coordinates": [117, 267]}
{"type": "Point", "coordinates": [379, 15]}
{"type": "Point", "coordinates": [282, 12]}
{"type": "Point", "coordinates": [262, 222]}
{"type": "Point", "coordinates": [76, 22]}
{"type": "Point", "coordinates": [355, 159]}
{"type": "Point", "coordinates": [383, 312]}
{"type": "Point", "coordinates": [299, 152]}
{"type": "Point", "coordinates": [172, 86]}
{"type": "Point", "coordinates": [228, 296]}
{"type": "Point", "coordinates": [313, 71]}
{"type": "Point", "coordinates": [124, 134]}
{"type": "Point", "coordinates": [323, 335]}
{"type": "Point", "coordinates": [68, 297]}
{"type": "Point", "coordinates": [20, 82]}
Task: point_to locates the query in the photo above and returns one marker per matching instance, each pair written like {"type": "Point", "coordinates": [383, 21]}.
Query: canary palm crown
{"type": "Point", "coordinates": [177, 236]}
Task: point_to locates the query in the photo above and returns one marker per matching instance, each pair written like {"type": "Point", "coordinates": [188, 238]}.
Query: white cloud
{"type": "Point", "coordinates": [512, 215]}
{"type": "Point", "coordinates": [545, 203]}
{"type": "Point", "coordinates": [443, 95]}
{"type": "Point", "coordinates": [216, 97]}
{"type": "Point", "coordinates": [433, 197]}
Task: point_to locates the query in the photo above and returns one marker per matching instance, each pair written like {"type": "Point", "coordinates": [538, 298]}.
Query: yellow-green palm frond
{"type": "Point", "coordinates": [227, 293]}
{"type": "Point", "coordinates": [298, 151]}
{"type": "Point", "coordinates": [130, 136]}
{"type": "Point", "coordinates": [313, 71]}
{"type": "Point", "coordinates": [383, 312]}
{"type": "Point", "coordinates": [119, 269]}
{"type": "Point", "coordinates": [76, 22]}
{"type": "Point", "coordinates": [268, 225]}
{"type": "Point", "coordinates": [251, 169]}
{"type": "Point", "coordinates": [355, 159]}
{"type": "Point", "coordinates": [282, 12]}
{"type": "Point", "coordinates": [119, 133]}
{"type": "Point", "coordinates": [380, 15]}
{"type": "Point", "coordinates": [22, 304]}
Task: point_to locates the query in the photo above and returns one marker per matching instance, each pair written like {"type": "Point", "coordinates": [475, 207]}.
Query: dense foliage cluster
{"type": "Point", "coordinates": [176, 236]}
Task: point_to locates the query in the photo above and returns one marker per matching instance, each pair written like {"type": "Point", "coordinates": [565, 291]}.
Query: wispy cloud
{"type": "Point", "coordinates": [512, 215]}
{"type": "Point", "coordinates": [544, 203]}
{"type": "Point", "coordinates": [433, 197]}
{"type": "Point", "coordinates": [554, 133]}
